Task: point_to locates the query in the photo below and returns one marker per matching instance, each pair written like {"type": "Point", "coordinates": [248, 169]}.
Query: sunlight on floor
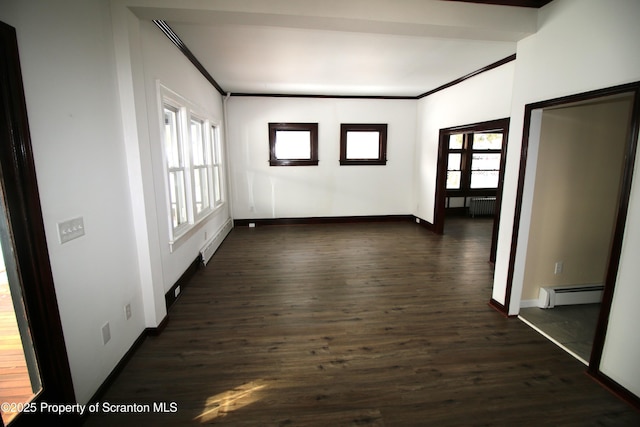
{"type": "Point", "coordinates": [223, 403]}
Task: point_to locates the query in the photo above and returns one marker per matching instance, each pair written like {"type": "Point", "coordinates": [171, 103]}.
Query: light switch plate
{"type": "Point", "coordinates": [70, 229]}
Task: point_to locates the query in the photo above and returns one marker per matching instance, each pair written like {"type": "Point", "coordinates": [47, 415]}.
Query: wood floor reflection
{"type": "Point", "coordinates": [354, 324]}
{"type": "Point", "coordinates": [15, 386]}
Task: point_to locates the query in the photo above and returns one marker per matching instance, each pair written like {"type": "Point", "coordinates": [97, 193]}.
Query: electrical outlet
{"type": "Point", "coordinates": [106, 333]}
{"type": "Point", "coordinates": [252, 225]}
{"type": "Point", "coordinates": [559, 267]}
{"type": "Point", "coordinates": [417, 220]}
{"type": "Point", "coordinates": [176, 292]}
{"type": "Point", "coordinates": [127, 311]}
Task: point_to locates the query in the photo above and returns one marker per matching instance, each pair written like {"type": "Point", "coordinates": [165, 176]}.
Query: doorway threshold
{"type": "Point", "coordinates": [553, 340]}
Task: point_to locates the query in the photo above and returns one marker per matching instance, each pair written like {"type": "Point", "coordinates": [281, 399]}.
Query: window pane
{"type": "Point", "coordinates": [454, 161]}
{"type": "Point", "coordinates": [487, 141]}
{"type": "Point", "coordinates": [484, 179]}
{"type": "Point", "coordinates": [217, 186]}
{"type": "Point", "coordinates": [172, 144]}
{"type": "Point", "coordinates": [201, 189]}
{"type": "Point", "coordinates": [215, 157]}
{"type": "Point", "coordinates": [291, 144]}
{"type": "Point", "coordinates": [455, 141]}
{"type": "Point", "coordinates": [363, 145]}
{"type": "Point", "coordinates": [197, 143]}
{"type": "Point", "coordinates": [178, 200]}
{"type": "Point", "coordinates": [453, 180]}
{"type": "Point", "coordinates": [484, 161]}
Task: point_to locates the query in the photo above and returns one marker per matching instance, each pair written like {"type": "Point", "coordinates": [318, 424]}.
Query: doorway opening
{"type": "Point", "coordinates": [470, 176]}
{"type": "Point", "coordinates": [524, 225]}
{"type": "Point", "coordinates": [19, 374]}
{"type": "Point", "coordinates": [580, 157]}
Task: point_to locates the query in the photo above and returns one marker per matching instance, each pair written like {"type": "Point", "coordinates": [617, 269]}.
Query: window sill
{"type": "Point", "coordinates": [293, 163]}
{"type": "Point", "coordinates": [190, 231]}
{"type": "Point", "coordinates": [363, 162]}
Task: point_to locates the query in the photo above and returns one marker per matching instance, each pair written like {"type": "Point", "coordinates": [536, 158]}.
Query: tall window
{"type": "Point", "coordinates": [174, 152]}
{"type": "Point", "coordinates": [293, 144]}
{"type": "Point", "coordinates": [193, 163]}
{"type": "Point", "coordinates": [216, 166]}
{"type": "Point", "coordinates": [202, 166]}
{"type": "Point", "coordinates": [363, 144]}
{"type": "Point", "coordinates": [474, 161]}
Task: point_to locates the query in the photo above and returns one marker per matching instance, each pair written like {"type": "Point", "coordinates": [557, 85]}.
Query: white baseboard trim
{"type": "Point", "coordinates": [526, 303]}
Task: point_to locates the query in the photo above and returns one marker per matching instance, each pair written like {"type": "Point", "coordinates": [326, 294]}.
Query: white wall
{"type": "Point", "coordinates": [484, 97]}
{"type": "Point", "coordinates": [163, 62]}
{"type": "Point", "coordinates": [71, 94]}
{"type": "Point", "coordinates": [622, 345]}
{"type": "Point", "coordinates": [263, 191]}
{"type": "Point", "coordinates": [581, 45]}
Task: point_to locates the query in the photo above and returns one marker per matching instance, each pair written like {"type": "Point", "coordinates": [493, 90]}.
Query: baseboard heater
{"type": "Point", "coordinates": [482, 206]}
{"type": "Point", "coordinates": [212, 245]}
{"type": "Point", "coordinates": [551, 296]}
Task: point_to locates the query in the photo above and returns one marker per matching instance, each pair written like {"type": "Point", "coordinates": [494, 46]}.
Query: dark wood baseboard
{"type": "Point", "coordinates": [170, 297]}
{"type": "Point", "coordinates": [116, 371]}
{"type": "Point", "coordinates": [322, 220]}
{"type": "Point", "coordinates": [426, 224]}
{"type": "Point", "coordinates": [123, 362]}
{"type": "Point", "coordinates": [614, 388]}
{"type": "Point", "coordinates": [449, 212]}
{"type": "Point", "coordinates": [500, 308]}
{"type": "Point", "coordinates": [154, 332]}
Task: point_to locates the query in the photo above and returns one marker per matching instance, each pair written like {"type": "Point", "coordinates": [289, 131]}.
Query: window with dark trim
{"type": "Point", "coordinates": [474, 161]}
{"type": "Point", "coordinates": [293, 144]}
{"type": "Point", "coordinates": [363, 144]}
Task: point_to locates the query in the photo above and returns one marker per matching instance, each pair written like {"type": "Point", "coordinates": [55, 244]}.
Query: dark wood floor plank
{"type": "Point", "coordinates": [354, 325]}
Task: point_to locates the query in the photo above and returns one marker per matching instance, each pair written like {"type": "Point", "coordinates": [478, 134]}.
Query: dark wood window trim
{"type": "Point", "coordinates": [467, 151]}
{"type": "Point", "coordinates": [312, 128]}
{"type": "Point", "coordinates": [363, 127]}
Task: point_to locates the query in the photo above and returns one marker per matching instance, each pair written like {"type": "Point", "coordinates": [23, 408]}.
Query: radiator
{"type": "Point", "coordinates": [550, 296]}
{"type": "Point", "coordinates": [482, 206]}
{"type": "Point", "coordinates": [212, 245]}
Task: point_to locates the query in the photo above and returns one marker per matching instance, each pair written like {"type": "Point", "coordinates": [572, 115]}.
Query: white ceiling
{"type": "Point", "coordinates": [342, 47]}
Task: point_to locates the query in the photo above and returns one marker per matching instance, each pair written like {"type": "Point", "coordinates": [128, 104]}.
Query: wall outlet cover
{"type": "Point", "coordinates": [106, 333]}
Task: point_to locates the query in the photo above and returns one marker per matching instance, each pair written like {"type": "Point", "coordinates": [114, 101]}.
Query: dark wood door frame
{"type": "Point", "coordinates": [24, 217]}
{"type": "Point", "coordinates": [620, 222]}
{"type": "Point", "coordinates": [501, 125]}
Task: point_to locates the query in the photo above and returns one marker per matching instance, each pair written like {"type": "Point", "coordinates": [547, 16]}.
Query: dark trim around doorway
{"type": "Point", "coordinates": [24, 215]}
{"type": "Point", "coordinates": [618, 234]}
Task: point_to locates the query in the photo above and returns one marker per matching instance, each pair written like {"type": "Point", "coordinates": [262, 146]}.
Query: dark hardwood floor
{"type": "Point", "coordinates": [349, 325]}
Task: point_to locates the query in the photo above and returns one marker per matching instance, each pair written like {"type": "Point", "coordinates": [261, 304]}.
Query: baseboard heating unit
{"type": "Point", "coordinates": [212, 245]}
{"type": "Point", "coordinates": [482, 206]}
{"type": "Point", "coordinates": [551, 296]}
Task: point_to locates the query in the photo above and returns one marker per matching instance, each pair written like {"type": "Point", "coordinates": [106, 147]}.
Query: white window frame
{"type": "Point", "coordinates": [192, 163]}
{"type": "Point", "coordinates": [216, 165]}
{"type": "Point", "coordinates": [177, 227]}
{"type": "Point", "coordinates": [199, 167]}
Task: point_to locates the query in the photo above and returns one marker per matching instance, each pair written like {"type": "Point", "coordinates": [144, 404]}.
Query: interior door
{"type": "Point", "coordinates": [26, 256]}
